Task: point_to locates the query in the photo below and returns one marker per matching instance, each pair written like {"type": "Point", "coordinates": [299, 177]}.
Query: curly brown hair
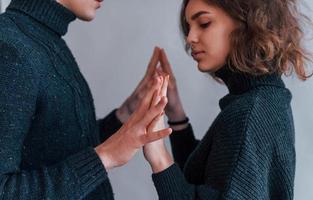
{"type": "Point", "coordinates": [268, 39]}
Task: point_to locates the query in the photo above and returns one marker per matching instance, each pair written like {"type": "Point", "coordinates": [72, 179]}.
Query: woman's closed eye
{"type": "Point", "coordinates": [205, 25]}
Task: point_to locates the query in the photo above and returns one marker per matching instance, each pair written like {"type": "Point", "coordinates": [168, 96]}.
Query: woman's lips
{"type": "Point", "coordinates": [197, 54]}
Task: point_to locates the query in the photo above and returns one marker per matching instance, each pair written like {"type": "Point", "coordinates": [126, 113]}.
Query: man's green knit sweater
{"type": "Point", "coordinates": [248, 152]}
{"type": "Point", "coordinates": [48, 126]}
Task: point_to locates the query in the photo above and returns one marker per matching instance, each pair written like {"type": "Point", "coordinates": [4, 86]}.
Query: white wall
{"type": "Point", "coordinates": [113, 52]}
{"type": "Point", "coordinates": [3, 4]}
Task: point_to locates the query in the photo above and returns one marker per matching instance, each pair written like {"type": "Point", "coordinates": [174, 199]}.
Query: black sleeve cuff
{"type": "Point", "coordinates": [171, 183]}
{"type": "Point", "coordinates": [89, 170]}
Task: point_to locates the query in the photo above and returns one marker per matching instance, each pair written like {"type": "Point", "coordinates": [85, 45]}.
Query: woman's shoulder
{"type": "Point", "coordinates": [262, 111]}
{"type": "Point", "coordinates": [259, 101]}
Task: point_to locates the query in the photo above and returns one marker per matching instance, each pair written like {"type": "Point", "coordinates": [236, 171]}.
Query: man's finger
{"type": "Point", "coordinates": [165, 64]}
{"type": "Point", "coordinates": [154, 136]}
{"type": "Point", "coordinates": [146, 101]}
{"type": "Point", "coordinates": [153, 61]}
{"type": "Point", "coordinates": [154, 111]}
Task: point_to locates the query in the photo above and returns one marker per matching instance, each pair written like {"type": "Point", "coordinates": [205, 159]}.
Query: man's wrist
{"type": "Point", "coordinates": [104, 157]}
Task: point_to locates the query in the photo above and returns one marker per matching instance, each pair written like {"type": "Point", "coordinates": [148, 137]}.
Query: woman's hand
{"type": "Point", "coordinates": [156, 153]}
{"type": "Point", "coordinates": [131, 103]}
{"type": "Point", "coordinates": [174, 109]}
{"type": "Point", "coordinates": [134, 134]}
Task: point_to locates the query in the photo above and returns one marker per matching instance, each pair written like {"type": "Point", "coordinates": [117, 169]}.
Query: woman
{"type": "Point", "coordinates": [51, 146]}
{"type": "Point", "coordinates": [248, 152]}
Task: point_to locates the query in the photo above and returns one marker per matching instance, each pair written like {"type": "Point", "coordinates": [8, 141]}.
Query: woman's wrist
{"type": "Point", "coordinates": [161, 164]}
{"type": "Point", "coordinates": [176, 115]}
{"type": "Point", "coordinates": [179, 127]}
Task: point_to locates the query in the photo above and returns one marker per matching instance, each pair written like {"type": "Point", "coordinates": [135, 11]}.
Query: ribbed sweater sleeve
{"type": "Point", "coordinates": [72, 178]}
{"type": "Point", "coordinates": [183, 142]}
{"type": "Point", "coordinates": [172, 185]}
{"type": "Point", "coordinates": [108, 125]}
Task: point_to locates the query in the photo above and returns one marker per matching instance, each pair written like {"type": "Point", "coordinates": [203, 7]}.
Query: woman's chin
{"type": "Point", "coordinates": [207, 68]}
{"type": "Point", "coordinates": [204, 68]}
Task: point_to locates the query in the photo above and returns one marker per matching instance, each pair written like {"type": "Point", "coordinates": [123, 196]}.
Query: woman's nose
{"type": "Point", "coordinates": [192, 37]}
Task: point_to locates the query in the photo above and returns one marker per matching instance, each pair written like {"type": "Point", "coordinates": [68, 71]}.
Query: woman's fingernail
{"type": "Point", "coordinates": [158, 98]}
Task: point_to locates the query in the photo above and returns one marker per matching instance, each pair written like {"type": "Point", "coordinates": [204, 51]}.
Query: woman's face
{"type": "Point", "coordinates": [209, 34]}
{"type": "Point", "coordinates": [83, 9]}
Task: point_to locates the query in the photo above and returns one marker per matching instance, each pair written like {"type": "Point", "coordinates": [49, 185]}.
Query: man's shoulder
{"type": "Point", "coordinates": [11, 35]}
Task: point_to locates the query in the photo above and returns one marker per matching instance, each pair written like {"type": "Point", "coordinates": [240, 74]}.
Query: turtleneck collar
{"type": "Point", "coordinates": [48, 12]}
{"type": "Point", "coordinates": [239, 83]}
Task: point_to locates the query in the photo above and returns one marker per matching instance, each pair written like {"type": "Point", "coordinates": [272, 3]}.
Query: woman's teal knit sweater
{"type": "Point", "coordinates": [248, 152]}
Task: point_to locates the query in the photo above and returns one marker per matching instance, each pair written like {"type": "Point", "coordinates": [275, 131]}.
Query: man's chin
{"type": "Point", "coordinates": [87, 17]}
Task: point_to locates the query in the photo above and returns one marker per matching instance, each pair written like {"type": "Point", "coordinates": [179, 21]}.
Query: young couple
{"type": "Point", "coordinates": [52, 146]}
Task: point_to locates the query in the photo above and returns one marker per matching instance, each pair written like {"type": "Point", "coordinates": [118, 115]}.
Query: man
{"type": "Point", "coordinates": [51, 145]}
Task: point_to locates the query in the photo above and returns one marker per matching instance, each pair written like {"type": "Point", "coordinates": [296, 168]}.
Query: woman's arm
{"type": "Point", "coordinates": [183, 143]}
{"type": "Point", "coordinates": [172, 185]}
{"type": "Point", "coordinates": [243, 162]}
{"type": "Point", "coordinates": [183, 140]}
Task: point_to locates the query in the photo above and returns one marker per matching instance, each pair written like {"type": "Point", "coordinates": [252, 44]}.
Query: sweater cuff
{"type": "Point", "coordinates": [170, 183]}
{"type": "Point", "coordinates": [113, 118]}
{"type": "Point", "coordinates": [184, 134]}
{"type": "Point", "coordinates": [89, 170]}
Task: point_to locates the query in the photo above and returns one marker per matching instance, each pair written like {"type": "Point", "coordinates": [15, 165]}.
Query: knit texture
{"type": "Point", "coordinates": [248, 152]}
{"type": "Point", "coordinates": [48, 127]}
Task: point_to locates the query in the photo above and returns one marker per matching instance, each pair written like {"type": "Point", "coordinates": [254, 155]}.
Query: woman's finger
{"type": "Point", "coordinates": [156, 98]}
{"type": "Point", "coordinates": [155, 122]}
{"type": "Point", "coordinates": [150, 69]}
{"type": "Point", "coordinates": [164, 86]}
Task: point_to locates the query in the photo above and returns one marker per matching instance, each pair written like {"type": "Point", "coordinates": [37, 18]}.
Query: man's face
{"type": "Point", "coordinates": [83, 9]}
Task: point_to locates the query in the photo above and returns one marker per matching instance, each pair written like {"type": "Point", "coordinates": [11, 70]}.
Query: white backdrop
{"type": "Point", "coordinates": [113, 52]}
{"type": "Point", "coordinates": [4, 4]}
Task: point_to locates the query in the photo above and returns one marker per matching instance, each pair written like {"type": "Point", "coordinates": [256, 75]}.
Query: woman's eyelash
{"type": "Point", "coordinates": [205, 25]}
